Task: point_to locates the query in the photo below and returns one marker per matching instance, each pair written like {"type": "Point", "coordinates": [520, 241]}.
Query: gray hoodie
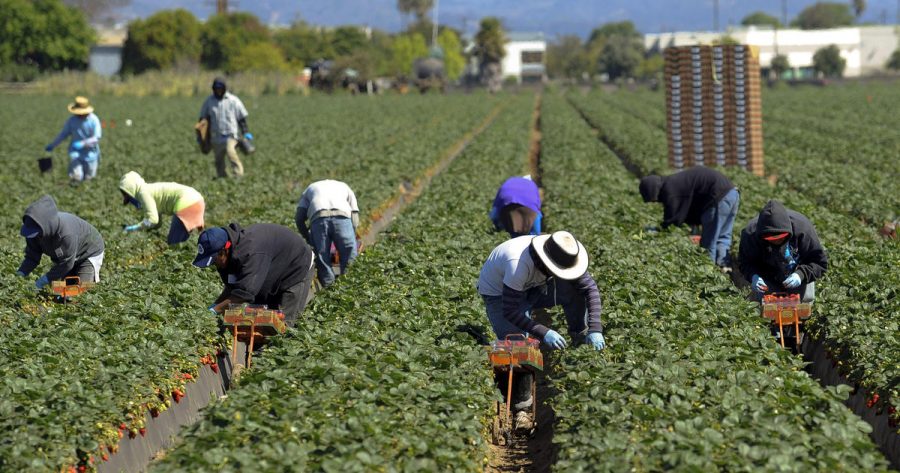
{"type": "Point", "coordinates": [65, 238]}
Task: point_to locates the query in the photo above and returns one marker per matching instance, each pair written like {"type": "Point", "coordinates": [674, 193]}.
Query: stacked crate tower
{"type": "Point", "coordinates": [713, 107]}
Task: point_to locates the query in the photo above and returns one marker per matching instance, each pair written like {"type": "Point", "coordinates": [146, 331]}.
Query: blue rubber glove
{"type": "Point", "coordinates": [41, 282]}
{"type": "Point", "coordinates": [78, 144]}
{"type": "Point", "coordinates": [48, 148]}
{"type": "Point", "coordinates": [20, 274]}
{"type": "Point", "coordinates": [249, 136]}
{"type": "Point", "coordinates": [596, 339]}
{"type": "Point", "coordinates": [792, 281]}
{"type": "Point", "coordinates": [212, 309]}
{"type": "Point", "coordinates": [132, 228]}
{"type": "Point", "coordinates": [758, 285]}
{"type": "Point", "coordinates": [554, 340]}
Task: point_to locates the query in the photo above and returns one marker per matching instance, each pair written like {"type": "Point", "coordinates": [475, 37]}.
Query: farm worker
{"type": "Point", "coordinates": [84, 147]}
{"type": "Point", "coordinates": [698, 196]}
{"type": "Point", "coordinates": [517, 207]}
{"type": "Point", "coordinates": [261, 264]}
{"type": "Point", "coordinates": [185, 204]}
{"type": "Point", "coordinates": [780, 252]}
{"type": "Point", "coordinates": [74, 246]}
{"type": "Point", "coordinates": [227, 119]}
{"type": "Point", "coordinates": [530, 272]}
{"type": "Point", "coordinates": [331, 208]}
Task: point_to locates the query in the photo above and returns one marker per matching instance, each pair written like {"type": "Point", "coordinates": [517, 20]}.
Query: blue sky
{"type": "Point", "coordinates": [553, 17]}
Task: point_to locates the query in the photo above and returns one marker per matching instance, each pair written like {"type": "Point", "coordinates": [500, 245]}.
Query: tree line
{"type": "Point", "coordinates": [51, 35]}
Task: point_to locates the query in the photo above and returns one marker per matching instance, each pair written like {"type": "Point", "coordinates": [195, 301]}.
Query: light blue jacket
{"type": "Point", "coordinates": [87, 131]}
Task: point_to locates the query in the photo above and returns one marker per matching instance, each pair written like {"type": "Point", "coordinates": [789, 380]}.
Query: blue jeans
{"type": "Point", "coordinates": [554, 293]}
{"type": "Point", "coordinates": [82, 170]}
{"type": "Point", "coordinates": [325, 231]}
{"type": "Point", "coordinates": [718, 223]}
{"type": "Point", "coordinates": [177, 232]}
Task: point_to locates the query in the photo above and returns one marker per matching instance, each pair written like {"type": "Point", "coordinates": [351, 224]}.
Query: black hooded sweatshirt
{"type": "Point", "coordinates": [266, 260]}
{"type": "Point", "coordinates": [65, 238]}
{"type": "Point", "coordinates": [686, 194]}
{"type": "Point", "coordinates": [770, 262]}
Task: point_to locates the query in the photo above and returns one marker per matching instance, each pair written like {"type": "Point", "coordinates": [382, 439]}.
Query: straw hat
{"type": "Point", "coordinates": [81, 106]}
{"type": "Point", "coordinates": [562, 254]}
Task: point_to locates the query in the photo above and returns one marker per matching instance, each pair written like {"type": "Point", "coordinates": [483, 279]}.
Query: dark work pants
{"type": "Point", "coordinates": [293, 300]}
{"type": "Point", "coordinates": [177, 232]}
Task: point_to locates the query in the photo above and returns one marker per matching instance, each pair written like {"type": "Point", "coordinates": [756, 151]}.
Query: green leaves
{"type": "Point", "coordinates": [376, 375]}
{"type": "Point", "coordinates": [691, 379]}
{"type": "Point", "coordinates": [71, 374]}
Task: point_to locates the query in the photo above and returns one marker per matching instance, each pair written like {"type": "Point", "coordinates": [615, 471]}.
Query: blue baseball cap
{"type": "Point", "coordinates": [30, 228]}
{"type": "Point", "coordinates": [210, 243]}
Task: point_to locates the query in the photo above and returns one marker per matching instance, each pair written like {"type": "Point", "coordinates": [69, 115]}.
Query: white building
{"type": "Point", "coordinates": [865, 48]}
{"type": "Point", "coordinates": [524, 59]}
{"type": "Point", "coordinates": [106, 56]}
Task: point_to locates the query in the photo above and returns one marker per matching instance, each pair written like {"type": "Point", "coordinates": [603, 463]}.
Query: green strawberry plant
{"type": "Point", "coordinates": [73, 375]}
{"type": "Point", "coordinates": [377, 375]}
{"type": "Point", "coordinates": [691, 380]}
{"type": "Point", "coordinates": [856, 308]}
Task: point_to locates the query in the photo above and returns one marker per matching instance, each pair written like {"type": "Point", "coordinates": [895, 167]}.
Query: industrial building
{"type": "Point", "coordinates": [865, 48]}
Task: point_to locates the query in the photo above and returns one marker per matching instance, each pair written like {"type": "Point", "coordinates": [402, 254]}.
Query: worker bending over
{"type": "Point", "coordinates": [184, 203]}
{"type": "Point", "coordinates": [331, 208]}
{"type": "Point", "coordinates": [698, 196]}
{"type": "Point", "coordinates": [780, 252]}
{"type": "Point", "coordinates": [261, 264]}
{"type": "Point", "coordinates": [517, 207]}
{"type": "Point", "coordinates": [75, 246]}
{"type": "Point", "coordinates": [530, 272]}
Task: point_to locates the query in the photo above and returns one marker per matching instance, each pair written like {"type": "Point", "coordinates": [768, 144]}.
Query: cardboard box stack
{"type": "Point", "coordinates": [713, 107]}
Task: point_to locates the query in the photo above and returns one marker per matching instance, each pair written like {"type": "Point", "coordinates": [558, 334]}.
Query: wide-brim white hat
{"type": "Point", "coordinates": [562, 254]}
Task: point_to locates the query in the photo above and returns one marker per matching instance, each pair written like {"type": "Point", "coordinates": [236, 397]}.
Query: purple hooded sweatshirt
{"type": "Point", "coordinates": [518, 190]}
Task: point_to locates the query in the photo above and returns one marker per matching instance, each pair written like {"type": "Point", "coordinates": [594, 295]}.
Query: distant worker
{"type": "Point", "coordinates": [74, 246]}
{"type": "Point", "coordinates": [531, 272]}
{"type": "Point", "coordinates": [84, 148]}
{"type": "Point", "coordinates": [184, 203]}
{"type": "Point", "coordinates": [331, 208]}
{"type": "Point", "coordinates": [227, 118]}
{"type": "Point", "coordinates": [261, 264]}
{"type": "Point", "coordinates": [517, 207]}
{"type": "Point", "coordinates": [698, 196]}
{"type": "Point", "coordinates": [780, 252]}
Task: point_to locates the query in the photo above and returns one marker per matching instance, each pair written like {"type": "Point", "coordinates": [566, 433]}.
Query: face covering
{"type": "Point", "coordinates": [36, 234]}
{"type": "Point", "coordinates": [782, 258]}
{"type": "Point", "coordinates": [136, 203]}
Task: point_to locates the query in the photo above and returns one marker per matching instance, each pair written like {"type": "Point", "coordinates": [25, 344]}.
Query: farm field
{"type": "Point", "coordinates": [380, 372]}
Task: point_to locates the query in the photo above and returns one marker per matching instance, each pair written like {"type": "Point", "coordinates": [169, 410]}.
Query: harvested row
{"type": "Point", "coordinates": [855, 314]}
{"type": "Point", "coordinates": [377, 376]}
{"type": "Point", "coordinates": [692, 379]}
{"type": "Point", "coordinates": [71, 375]}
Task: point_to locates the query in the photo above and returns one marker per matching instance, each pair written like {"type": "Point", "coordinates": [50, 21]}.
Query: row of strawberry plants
{"type": "Point", "coordinates": [860, 113]}
{"type": "Point", "coordinates": [809, 155]}
{"type": "Point", "coordinates": [691, 380]}
{"type": "Point", "coordinates": [377, 375]}
{"type": "Point", "coordinates": [78, 372]}
{"type": "Point", "coordinates": [857, 305]}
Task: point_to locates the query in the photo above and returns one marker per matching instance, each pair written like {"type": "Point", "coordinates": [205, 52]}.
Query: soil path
{"type": "Point", "coordinates": [534, 453]}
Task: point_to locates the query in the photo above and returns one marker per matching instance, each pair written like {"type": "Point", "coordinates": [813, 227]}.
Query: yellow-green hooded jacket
{"type": "Point", "coordinates": [168, 198]}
